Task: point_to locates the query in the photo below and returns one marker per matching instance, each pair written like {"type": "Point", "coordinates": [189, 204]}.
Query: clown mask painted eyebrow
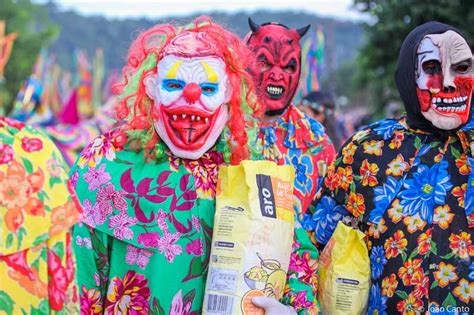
{"type": "Point", "coordinates": [190, 95]}
{"type": "Point", "coordinates": [444, 78]}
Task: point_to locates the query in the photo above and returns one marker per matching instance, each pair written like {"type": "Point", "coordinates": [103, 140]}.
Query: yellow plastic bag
{"type": "Point", "coordinates": [252, 238]}
{"type": "Point", "coordinates": [344, 273]}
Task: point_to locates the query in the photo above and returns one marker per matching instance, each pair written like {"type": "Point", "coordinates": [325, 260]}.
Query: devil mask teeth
{"type": "Point", "coordinates": [275, 92]}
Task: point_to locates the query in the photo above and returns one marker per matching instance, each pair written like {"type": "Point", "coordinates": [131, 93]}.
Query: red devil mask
{"type": "Point", "coordinates": [277, 66]}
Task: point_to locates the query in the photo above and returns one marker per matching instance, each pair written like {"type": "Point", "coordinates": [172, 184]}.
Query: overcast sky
{"type": "Point", "coordinates": [342, 9]}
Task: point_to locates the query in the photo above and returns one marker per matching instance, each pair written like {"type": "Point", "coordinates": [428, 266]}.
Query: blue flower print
{"type": "Point", "coordinates": [383, 196]}
{"type": "Point", "coordinates": [303, 165]}
{"type": "Point", "coordinates": [386, 128]}
{"type": "Point", "coordinates": [325, 217]}
{"type": "Point", "coordinates": [377, 261]}
{"type": "Point", "coordinates": [428, 188]}
{"type": "Point", "coordinates": [377, 302]}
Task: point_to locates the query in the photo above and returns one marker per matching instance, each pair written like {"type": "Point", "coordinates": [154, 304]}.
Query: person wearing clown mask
{"type": "Point", "coordinates": [409, 183]}
{"type": "Point", "coordinates": [148, 187]}
{"type": "Point", "coordinates": [288, 136]}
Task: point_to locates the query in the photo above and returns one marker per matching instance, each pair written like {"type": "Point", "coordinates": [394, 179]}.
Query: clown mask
{"type": "Point", "coordinates": [444, 78]}
{"type": "Point", "coordinates": [278, 64]}
{"type": "Point", "coordinates": [190, 96]}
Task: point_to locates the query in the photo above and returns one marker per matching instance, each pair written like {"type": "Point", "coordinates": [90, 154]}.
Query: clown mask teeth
{"type": "Point", "coordinates": [190, 98]}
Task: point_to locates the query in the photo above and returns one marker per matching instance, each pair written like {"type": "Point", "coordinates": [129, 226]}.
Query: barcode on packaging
{"type": "Point", "coordinates": [219, 304]}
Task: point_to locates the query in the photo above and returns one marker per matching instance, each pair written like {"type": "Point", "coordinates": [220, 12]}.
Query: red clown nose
{"type": "Point", "coordinates": [192, 92]}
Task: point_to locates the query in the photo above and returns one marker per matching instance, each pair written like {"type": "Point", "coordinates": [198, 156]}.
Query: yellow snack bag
{"type": "Point", "coordinates": [344, 273]}
{"type": "Point", "coordinates": [252, 238]}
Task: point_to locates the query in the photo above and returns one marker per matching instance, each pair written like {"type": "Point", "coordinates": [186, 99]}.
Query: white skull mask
{"type": "Point", "coordinates": [444, 78]}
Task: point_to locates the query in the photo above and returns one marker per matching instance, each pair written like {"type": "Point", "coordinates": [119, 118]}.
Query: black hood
{"type": "Point", "coordinates": [405, 76]}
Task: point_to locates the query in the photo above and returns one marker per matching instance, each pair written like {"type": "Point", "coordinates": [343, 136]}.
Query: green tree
{"type": "Point", "coordinates": [35, 30]}
{"type": "Point", "coordinates": [391, 22]}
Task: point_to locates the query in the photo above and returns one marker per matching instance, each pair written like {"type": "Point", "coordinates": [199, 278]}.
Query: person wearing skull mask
{"type": "Point", "coordinates": [148, 187]}
{"type": "Point", "coordinates": [288, 136]}
{"type": "Point", "coordinates": [408, 183]}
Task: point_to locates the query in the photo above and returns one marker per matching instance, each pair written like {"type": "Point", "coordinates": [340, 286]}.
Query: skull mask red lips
{"type": "Point", "coordinates": [444, 79]}
{"type": "Point", "coordinates": [277, 65]}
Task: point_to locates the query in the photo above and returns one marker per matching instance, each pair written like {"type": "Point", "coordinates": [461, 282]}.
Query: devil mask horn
{"type": "Point", "coordinates": [302, 31]}
{"type": "Point", "coordinates": [253, 26]}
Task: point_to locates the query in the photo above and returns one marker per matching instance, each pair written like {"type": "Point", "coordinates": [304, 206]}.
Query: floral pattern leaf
{"type": "Point", "coordinates": [402, 294]}
{"type": "Point", "coordinates": [189, 195]}
{"type": "Point", "coordinates": [157, 309]}
{"type": "Point", "coordinates": [165, 191]}
{"type": "Point", "coordinates": [195, 269]}
{"type": "Point", "coordinates": [179, 226]}
{"type": "Point", "coordinates": [28, 166]}
{"type": "Point", "coordinates": [6, 303]}
{"type": "Point", "coordinates": [140, 214]}
{"type": "Point", "coordinates": [163, 177]}
{"type": "Point", "coordinates": [449, 301]}
{"type": "Point", "coordinates": [155, 198]}
{"type": "Point", "coordinates": [9, 242]}
{"type": "Point", "coordinates": [144, 186]}
{"type": "Point", "coordinates": [184, 181]}
{"type": "Point", "coordinates": [185, 206]}
{"type": "Point", "coordinates": [189, 297]}
{"type": "Point", "coordinates": [126, 181]}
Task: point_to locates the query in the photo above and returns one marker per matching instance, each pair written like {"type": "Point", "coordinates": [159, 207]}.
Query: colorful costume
{"type": "Point", "coordinates": [287, 136]}
{"type": "Point", "coordinates": [409, 183]}
{"type": "Point", "coordinates": [148, 187]}
{"type": "Point", "coordinates": [37, 266]}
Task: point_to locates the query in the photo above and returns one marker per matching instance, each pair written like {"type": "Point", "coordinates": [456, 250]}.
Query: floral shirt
{"type": "Point", "coordinates": [37, 266]}
{"type": "Point", "coordinates": [298, 140]}
{"type": "Point", "coordinates": [156, 218]}
{"type": "Point", "coordinates": [413, 195]}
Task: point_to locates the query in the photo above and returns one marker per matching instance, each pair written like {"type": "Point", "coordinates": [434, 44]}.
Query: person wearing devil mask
{"type": "Point", "coordinates": [409, 183]}
{"type": "Point", "coordinates": [148, 187]}
{"type": "Point", "coordinates": [288, 136]}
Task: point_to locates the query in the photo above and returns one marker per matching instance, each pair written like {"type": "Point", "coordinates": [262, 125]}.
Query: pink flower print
{"type": "Point", "coordinates": [196, 224]}
{"type": "Point", "coordinates": [94, 151]}
{"type": "Point", "coordinates": [129, 295]}
{"type": "Point", "coordinates": [6, 153]}
{"type": "Point", "coordinates": [149, 239]}
{"type": "Point", "coordinates": [107, 194]}
{"type": "Point", "coordinates": [94, 214]}
{"type": "Point", "coordinates": [177, 307]}
{"type": "Point", "coordinates": [87, 242]}
{"type": "Point", "coordinates": [73, 179]}
{"type": "Point", "coordinates": [205, 186]}
{"type": "Point", "coordinates": [161, 217]}
{"type": "Point", "coordinates": [174, 162]}
{"type": "Point", "coordinates": [96, 177]}
{"type": "Point", "coordinates": [301, 301]}
{"type": "Point", "coordinates": [79, 241]}
{"type": "Point", "coordinates": [54, 168]}
{"type": "Point", "coordinates": [120, 224]}
{"type": "Point", "coordinates": [137, 256]}
{"type": "Point", "coordinates": [195, 248]}
{"type": "Point", "coordinates": [31, 144]}
{"type": "Point", "coordinates": [96, 279]}
{"type": "Point", "coordinates": [167, 245]}
{"type": "Point", "coordinates": [91, 301]}
{"type": "Point", "coordinates": [83, 242]}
